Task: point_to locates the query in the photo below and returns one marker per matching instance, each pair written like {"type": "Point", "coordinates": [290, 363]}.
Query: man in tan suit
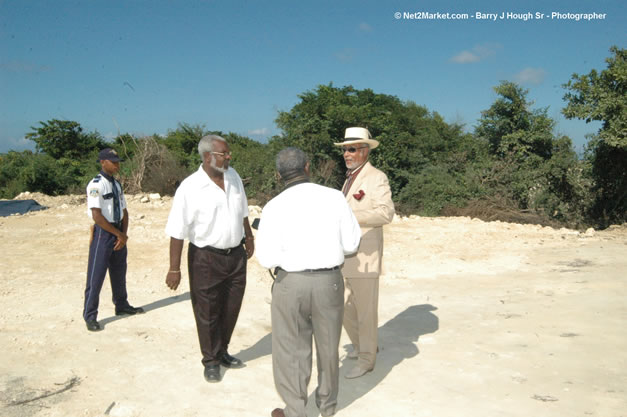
{"type": "Point", "coordinates": [367, 192]}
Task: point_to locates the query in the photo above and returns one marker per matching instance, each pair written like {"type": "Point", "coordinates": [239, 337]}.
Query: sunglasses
{"type": "Point", "coordinates": [353, 149]}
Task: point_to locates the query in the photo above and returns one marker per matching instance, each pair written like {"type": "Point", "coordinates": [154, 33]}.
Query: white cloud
{"type": "Point", "coordinates": [263, 131]}
{"type": "Point", "coordinates": [465, 57]}
{"type": "Point", "coordinates": [365, 27]}
{"type": "Point", "coordinates": [345, 55]}
{"type": "Point", "coordinates": [530, 76]}
{"type": "Point", "coordinates": [16, 144]}
{"type": "Point", "coordinates": [109, 136]}
{"type": "Point", "coordinates": [476, 54]}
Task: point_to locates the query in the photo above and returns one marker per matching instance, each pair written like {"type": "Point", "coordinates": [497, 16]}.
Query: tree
{"type": "Point", "coordinates": [65, 139]}
{"type": "Point", "coordinates": [27, 171]}
{"type": "Point", "coordinates": [603, 97]}
{"type": "Point", "coordinates": [532, 167]}
{"type": "Point", "coordinates": [412, 141]}
{"type": "Point", "coordinates": [151, 167]}
{"type": "Point", "coordinates": [65, 160]}
{"type": "Point", "coordinates": [254, 161]}
{"type": "Point", "coordinates": [509, 126]}
{"type": "Point", "coordinates": [183, 142]}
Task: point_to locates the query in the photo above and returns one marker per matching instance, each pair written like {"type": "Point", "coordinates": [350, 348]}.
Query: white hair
{"type": "Point", "coordinates": [206, 143]}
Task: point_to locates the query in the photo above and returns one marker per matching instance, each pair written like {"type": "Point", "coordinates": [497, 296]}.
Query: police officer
{"type": "Point", "coordinates": [106, 205]}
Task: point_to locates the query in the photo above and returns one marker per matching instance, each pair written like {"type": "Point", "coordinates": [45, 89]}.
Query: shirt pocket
{"type": "Point", "coordinates": [208, 209]}
{"type": "Point", "coordinates": [236, 200]}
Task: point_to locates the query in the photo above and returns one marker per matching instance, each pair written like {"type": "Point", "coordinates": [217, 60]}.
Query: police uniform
{"type": "Point", "coordinates": [105, 193]}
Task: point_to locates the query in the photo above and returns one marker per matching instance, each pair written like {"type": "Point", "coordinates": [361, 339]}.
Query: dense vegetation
{"type": "Point", "coordinates": [512, 167]}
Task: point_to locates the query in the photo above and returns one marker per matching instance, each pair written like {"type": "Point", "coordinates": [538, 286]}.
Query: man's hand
{"type": "Point", "coordinates": [173, 279]}
{"type": "Point", "coordinates": [121, 241]}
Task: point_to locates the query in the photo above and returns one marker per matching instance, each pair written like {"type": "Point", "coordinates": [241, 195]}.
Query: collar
{"type": "Point", "coordinates": [296, 181]}
{"type": "Point", "coordinates": [204, 180]}
{"type": "Point", "coordinates": [355, 170]}
{"type": "Point", "coordinates": [107, 176]}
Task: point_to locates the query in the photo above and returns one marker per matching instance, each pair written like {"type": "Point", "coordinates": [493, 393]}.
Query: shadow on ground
{"type": "Point", "coordinates": [149, 307]}
{"type": "Point", "coordinates": [398, 338]}
{"type": "Point", "coordinates": [397, 342]}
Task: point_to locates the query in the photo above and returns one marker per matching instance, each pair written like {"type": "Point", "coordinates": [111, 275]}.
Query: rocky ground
{"type": "Point", "coordinates": [476, 319]}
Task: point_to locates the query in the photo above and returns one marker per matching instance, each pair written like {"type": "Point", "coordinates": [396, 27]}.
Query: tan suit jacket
{"type": "Point", "coordinates": [372, 211]}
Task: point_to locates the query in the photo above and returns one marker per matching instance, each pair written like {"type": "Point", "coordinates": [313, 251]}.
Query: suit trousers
{"type": "Point", "coordinates": [306, 304]}
{"type": "Point", "coordinates": [361, 318]}
{"type": "Point", "coordinates": [217, 283]}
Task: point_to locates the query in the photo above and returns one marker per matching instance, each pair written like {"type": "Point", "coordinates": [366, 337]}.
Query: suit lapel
{"type": "Point", "coordinates": [358, 183]}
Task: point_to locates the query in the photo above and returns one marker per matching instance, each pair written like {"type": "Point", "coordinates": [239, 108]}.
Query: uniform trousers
{"type": "Point", "coordinates": [102, 257]}
{"type": "Point", "coordinates": [217, 283]}
{"type": "Point", "coordinates": [361, 318]}
{"type": "Point", "coordinates": [306, 304]}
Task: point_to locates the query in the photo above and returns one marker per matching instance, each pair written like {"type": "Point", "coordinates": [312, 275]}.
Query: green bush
{"type": "Point", "coordinates": [432, 189]}
{"type": "Point", "coordinates": [27, 171]}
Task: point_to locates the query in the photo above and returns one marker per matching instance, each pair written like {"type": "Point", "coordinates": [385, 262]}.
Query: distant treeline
{"type": "Point", "coordinates": [513, 167]}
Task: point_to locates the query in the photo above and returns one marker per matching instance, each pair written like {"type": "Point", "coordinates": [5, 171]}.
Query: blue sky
{"type": "Point", "coordinates": [142, 67]}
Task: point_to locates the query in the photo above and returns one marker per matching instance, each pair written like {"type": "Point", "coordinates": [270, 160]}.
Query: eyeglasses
{"type": "Point", "coordinates": [222, 154]}
{"type": "Point", "coordinates": [353, 149]}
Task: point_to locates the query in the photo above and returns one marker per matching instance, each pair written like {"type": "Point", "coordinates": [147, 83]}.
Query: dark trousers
{"type": "Point", "coordinates": [102, 257]}
{"type": "Point", "coordinates": [217, 283]}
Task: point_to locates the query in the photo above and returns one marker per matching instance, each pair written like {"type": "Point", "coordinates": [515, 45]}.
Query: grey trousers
{"type": "Point", "coordinates": [306, 304]}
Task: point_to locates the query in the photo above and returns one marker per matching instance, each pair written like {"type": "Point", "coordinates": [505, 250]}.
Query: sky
{"type": "Point", "coordinates": [142, 67]}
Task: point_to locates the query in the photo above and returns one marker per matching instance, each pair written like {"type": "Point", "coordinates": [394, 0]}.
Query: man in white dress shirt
{"type": "Point", "coordinates": [304, 234]}
{"type": "Point", "coordinates": [210, 209]}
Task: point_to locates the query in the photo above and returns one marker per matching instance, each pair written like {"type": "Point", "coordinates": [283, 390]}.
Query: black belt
{"type": "Point", "coordinates": [335, 268]}
{"type": "Point", "coordinates": [222, 251]}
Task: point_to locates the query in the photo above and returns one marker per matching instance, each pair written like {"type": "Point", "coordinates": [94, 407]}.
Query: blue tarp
{"type": "Point", "coordinates": [8, 207]}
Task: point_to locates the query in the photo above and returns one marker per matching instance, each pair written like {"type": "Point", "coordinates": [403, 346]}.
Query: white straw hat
{"type": "Point", "coordinates": [355, 135]}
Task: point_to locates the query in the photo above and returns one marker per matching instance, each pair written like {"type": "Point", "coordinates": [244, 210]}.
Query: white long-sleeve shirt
{"type": "Point", "coordinates": [307, 226]}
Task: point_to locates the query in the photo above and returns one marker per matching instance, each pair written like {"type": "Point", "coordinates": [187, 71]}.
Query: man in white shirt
{"type": "Point", "coordinates": [210, 209]}
{"type": "Point", "coordinates": [106, 206]}
{"type": "Point", "coordinates": [304, 234]}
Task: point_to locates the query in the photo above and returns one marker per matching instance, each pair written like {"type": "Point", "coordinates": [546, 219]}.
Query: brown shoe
{"type": "Point", "coordinates": [277, 412]}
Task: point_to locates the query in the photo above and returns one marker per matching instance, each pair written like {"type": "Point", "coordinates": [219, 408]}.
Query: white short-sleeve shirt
{"type": "Point", "coordinates": [307, 226]}
{"type": "Point", "coordinates": [100, 195]}
{"type": "Point", "coordinates": [205, 214]}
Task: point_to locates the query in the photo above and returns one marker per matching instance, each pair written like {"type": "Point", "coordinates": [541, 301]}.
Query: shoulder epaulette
{"type": "Point", "coordinates": [97, 178]}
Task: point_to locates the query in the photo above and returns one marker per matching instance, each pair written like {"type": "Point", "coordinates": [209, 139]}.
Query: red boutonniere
{"type": "Point", "coordinates": [359, 195]}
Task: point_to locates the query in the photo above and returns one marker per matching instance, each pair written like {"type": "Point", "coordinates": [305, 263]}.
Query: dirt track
{"type": "Point", "coordinates": [476, 319]}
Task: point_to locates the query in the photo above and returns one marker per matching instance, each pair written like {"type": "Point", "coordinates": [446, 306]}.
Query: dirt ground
{"type": "Point", "coordinates": [476, 319]}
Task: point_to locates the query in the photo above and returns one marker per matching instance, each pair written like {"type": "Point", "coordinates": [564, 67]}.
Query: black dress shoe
{"type": "Point", "coordinates": [212, 373]}
{"type": "Point", "coordinates": [231, 361]}
{"type": "Point", "coordinates": [129, 310]}
{"type": "Point", "coordinates": [93, 326]}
